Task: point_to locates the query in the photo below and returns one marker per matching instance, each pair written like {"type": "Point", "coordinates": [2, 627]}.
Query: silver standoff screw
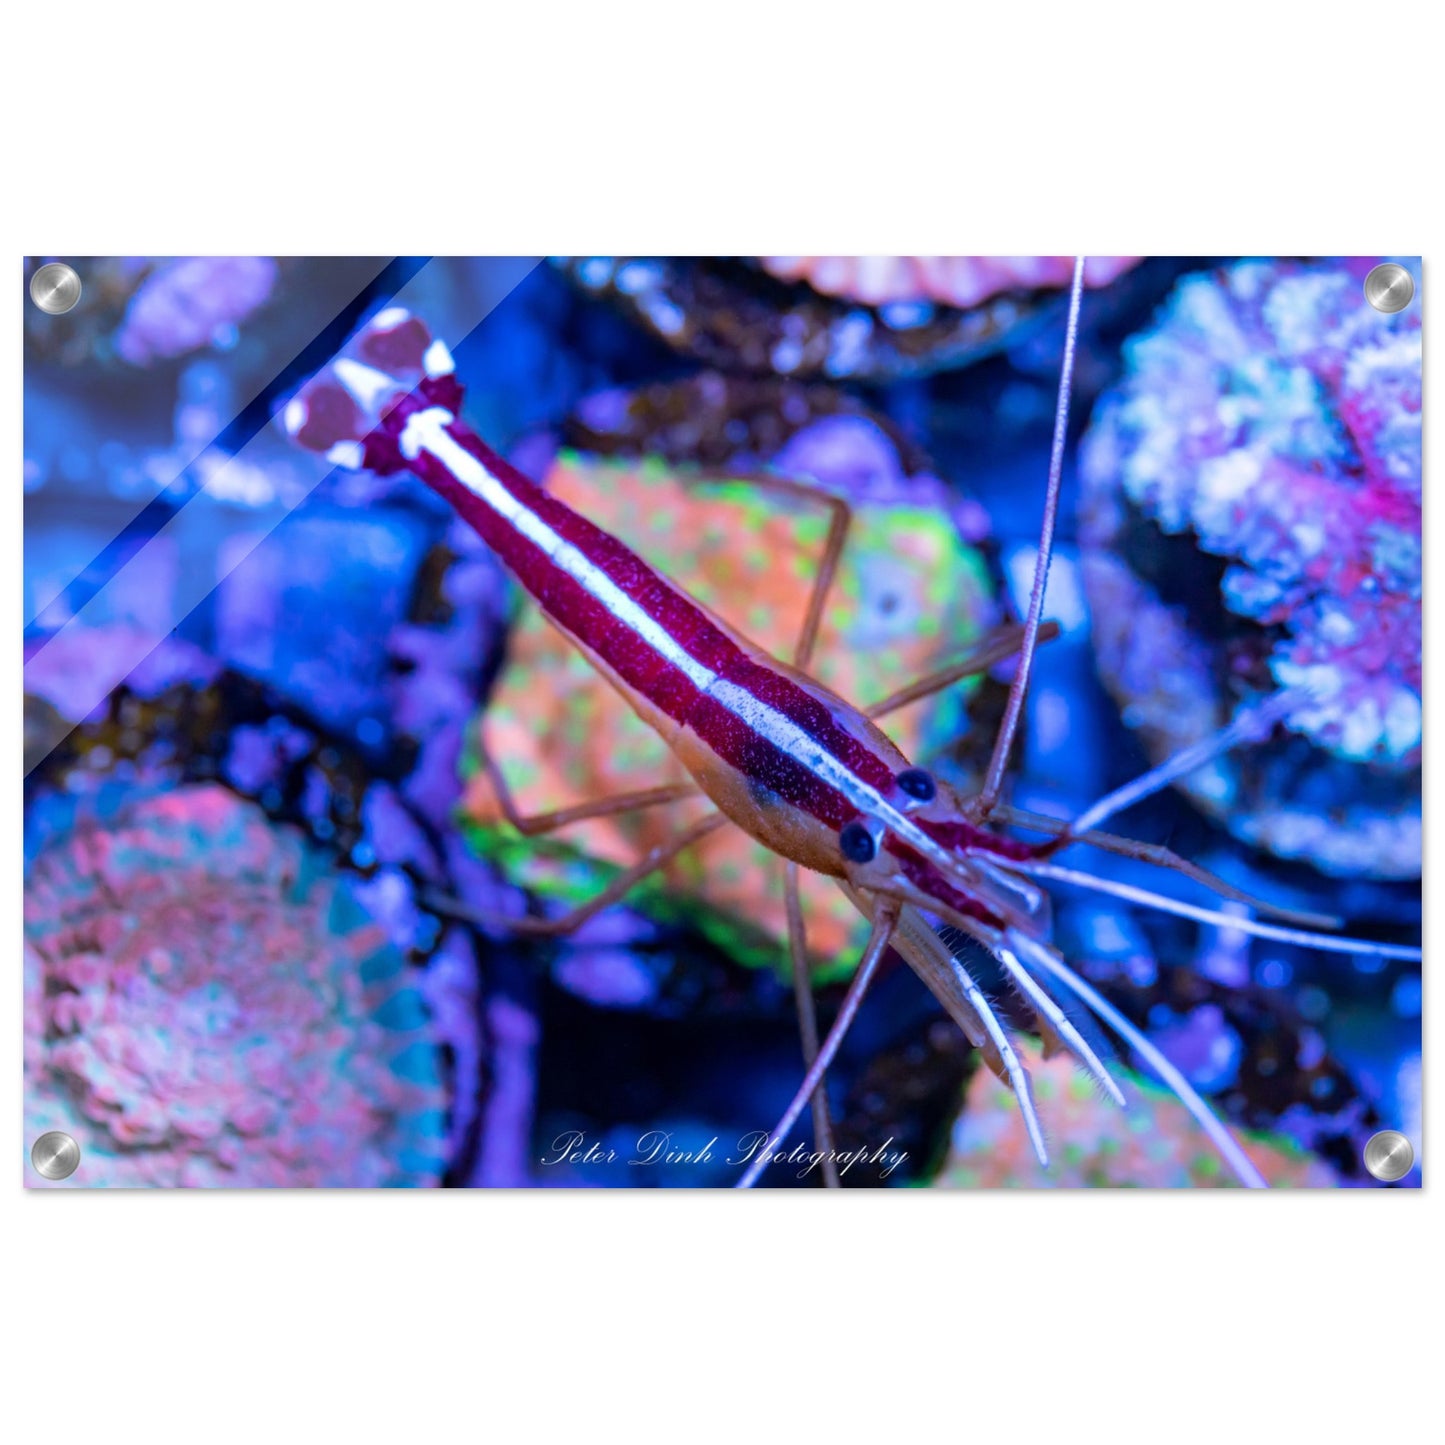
{"type": "Point", "coordinates": [1389, 287]}
{"type": "Point", "coordinates": [55, 288]}
{"type": "Point", "coordinates": [1389, 1155]}
{"type": "Point", "coordinates": [55, 1155]}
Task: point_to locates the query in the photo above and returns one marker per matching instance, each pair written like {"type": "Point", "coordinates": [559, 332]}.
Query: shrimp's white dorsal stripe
{"type": "Point", "coordinates": [426, 431]}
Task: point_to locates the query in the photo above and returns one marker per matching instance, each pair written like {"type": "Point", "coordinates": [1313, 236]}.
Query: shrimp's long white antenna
{"type": "Point", "coordinates": [1251, 725]}
{"type": "Point", "coordinates": [1203, 1115]}
{"type": "Point", "coordinates": [1325, 942]}
{"type": "Point", "coordinates": [1018, 689]}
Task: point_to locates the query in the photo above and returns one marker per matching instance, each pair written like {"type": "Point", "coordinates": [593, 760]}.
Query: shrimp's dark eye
{"type": "Point", "coordinates": [918, 783]}
{"type": "Point", "coordinates": [857, 842]}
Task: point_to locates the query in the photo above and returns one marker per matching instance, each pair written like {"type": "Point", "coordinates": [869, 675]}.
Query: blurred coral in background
{"type": "Point", "coordinates": [205, 1005]}
{"type": "Point", "coordinates": [960, 281]}
{"type": "Point", "coordinates": [193, 302]}
{"type": "Point", "coordinates": [1273, 422]}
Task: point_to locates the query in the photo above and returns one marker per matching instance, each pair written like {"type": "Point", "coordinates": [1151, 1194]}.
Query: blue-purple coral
{"type": "Point", "coordinates": [1272, 419]}
{"type": "Point", "coordinates": [206, 1004]}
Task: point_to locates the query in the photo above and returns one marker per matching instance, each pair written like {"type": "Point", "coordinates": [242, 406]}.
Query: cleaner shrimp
{"type": "Point", "coordinates": [813, 778]}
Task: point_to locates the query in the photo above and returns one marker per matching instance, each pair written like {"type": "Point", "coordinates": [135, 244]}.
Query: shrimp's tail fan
{"type": "Point", "coordinates": [353, 410]}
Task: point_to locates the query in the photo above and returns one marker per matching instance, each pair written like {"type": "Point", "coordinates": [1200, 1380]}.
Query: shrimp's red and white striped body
{"type": "Point", "coordinates": [800, 769]}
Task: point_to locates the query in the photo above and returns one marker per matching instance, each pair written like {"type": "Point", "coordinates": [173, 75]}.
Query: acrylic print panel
{"type": "Point", "coordinates": [336, 570]}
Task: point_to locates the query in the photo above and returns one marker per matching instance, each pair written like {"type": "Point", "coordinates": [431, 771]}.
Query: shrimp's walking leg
{"type": "Point", "coordinates": [838, 525]}
{"type": "Point", "coordinates": [540, 823]}
{"type": "Point", "coordinates": [1001, 643]}
{"type": "Point", "coordinates": [837, 540]}
{"type": "Point", "coordinates": [885, 919]}
{"type": "Point", "coordinates": [569, 922]}
{"type": "Point", "coordinates": [808, 1019]}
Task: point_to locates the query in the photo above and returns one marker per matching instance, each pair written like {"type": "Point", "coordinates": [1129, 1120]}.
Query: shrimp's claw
{"type": "Point", "coordinates": [954, 987]}
{"type": "Point", "coordinates": [1000, 1056]}
{"type": "Point", "coordinates": [1002, 1061]}
{"type": "Point", "coordinates": [352, 410]}
{"type": "Point", "coordinates": [1054, 1023]}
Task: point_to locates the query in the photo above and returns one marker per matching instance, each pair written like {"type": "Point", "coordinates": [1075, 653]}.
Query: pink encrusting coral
{"type": "Point", "coordinates": [207, 1005]}
{"type": "Point", "coordinates": [1273, 418]}
{"type": "Point", "coordinates": [960, 281]}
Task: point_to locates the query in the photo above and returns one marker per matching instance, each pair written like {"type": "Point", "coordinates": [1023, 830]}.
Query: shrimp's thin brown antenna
{"type": "Point", "coordinates": [1018, 689]}
{"type": "Point", "coordinates": [1158, 856]}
